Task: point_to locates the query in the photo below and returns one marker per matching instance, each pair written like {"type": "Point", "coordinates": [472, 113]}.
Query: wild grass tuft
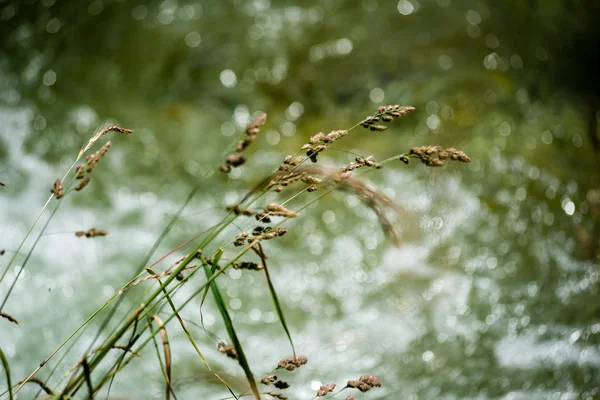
{"type": "Point", "coordinates": [155, 305]}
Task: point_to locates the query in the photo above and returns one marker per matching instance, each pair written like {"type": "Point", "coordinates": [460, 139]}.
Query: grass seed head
{"type": "Point", "coordinates": [84, 182]}
{"type": "Point", "coordinates": [91, 233]}
{"type": "Point", "coordinates": [324, 389]}
{"type": "Point", "coordinates": [277, 395]}
{"type": "Point", "coordinates": [268, 379]}
{"type": "Point", "coordinates": [228, 350]}
{"type": "Point", "coordinates": [240, 239]}
{"type": "Point", "coordinates": [434, 156]}
{"type": "Point", "coordinates": [251, 266]}
{"type": "Point", "coordinates": [292, 363]}
{"type": "Point", "coordinates": [281, 385]}
{"type": "Point", "coordinates": [58, 189]}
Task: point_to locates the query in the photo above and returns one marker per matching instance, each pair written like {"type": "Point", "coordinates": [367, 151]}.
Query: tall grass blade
{"type": "Point", "coordinates": [7, 373]}
{"type": "Point", "coordinates": [189, 334]}
{"type": "Point", "coordinates": [215, 262]}
{"type": "Point", "coordinates": [88, 378]}
{"type": "Point", "coordinates": [127, 348]}
{"type": "Point", "coordinates": [275, 298]}
{"type": "Point", "coordinates": [232, 334]}
{"type": "Point", "coordinates": [166, 355]}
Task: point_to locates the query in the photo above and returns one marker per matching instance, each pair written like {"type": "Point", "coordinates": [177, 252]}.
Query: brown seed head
{"type": "Point", "coordinates": [324, 389]}
{"type": "Point", "coordinates": [433, 156]}
{"type": "Point", "coordinates": [235, 159]}
{"type": "Point", "coordinates": [116, 128]}
{"type": "Point", "coordinates": [91, 233]}
{"type": "Point", "coordinates": [379, 128]}
{"type": "Point", "coordinates": [365, 383]}
{"type": "Point", "coordinates": [9, 317]}
{"type": "Point", "coordinates": [228, 350]}
{"type": "Point", "coordinates": [279, 211]}
{"type": "Point", "coordinates": [277, 395]}
{"type": "Point", "coordinates": [248, 265]}
{"type": "Point", "coordinates": [387, 114]}
{"type": "Point", "coordinates": [371, 380]}
{"type": "Point", "coordinates": [316, 138]}
{"type": "Point", "coordinates": [237, 210]}
{"type": "Point", "coordinates": [84, 182]}
{"type": "Point", "coordinates": [281, 385]}
{"type": "Point", "coordinates": [258, 122]}
{"type": "Point", "coordinates": [58, 189]}
{"type": "Point", "coordinates": [292, 363]}
{"type": "Point", "coordinates": [225, 168]}
{"type": "Point", "coordinates": [240, 238]}
{"type": "Point", "coordinates": [268, 379]}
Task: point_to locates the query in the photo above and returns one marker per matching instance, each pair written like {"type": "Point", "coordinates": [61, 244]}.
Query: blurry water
{"type": "Point", "coordinates": [494, 290]}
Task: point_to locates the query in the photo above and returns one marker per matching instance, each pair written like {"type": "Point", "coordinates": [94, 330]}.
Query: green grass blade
{"type": "Point", "coordinates": [29, 253]}
{"type": "Point", "coordinates": [232, 334]}
{"type": "Point", "coordinates": [215, 262]}
{"type": "Point", "coordinates": [7, 373]}
{"type": "Point", "coordinates": [275, 298]}
{"type": "Point", "coordinates": [189, 334]}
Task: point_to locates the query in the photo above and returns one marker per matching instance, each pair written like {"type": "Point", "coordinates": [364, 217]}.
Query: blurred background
{"type": "Point", "coordinates": [494, 290]}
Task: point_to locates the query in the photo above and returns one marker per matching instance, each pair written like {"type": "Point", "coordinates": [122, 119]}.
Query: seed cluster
{"type": "Point", "coordinates": [434, 156]}
{"type": "Point", "coordinates": [272, 209]}
{"type": "Point", "coordinates": [277, 395]}
{"type": "Point", "coordinates": [365, 383]}
{"type": "Point", "coordinates": [268, 379]}
{"type": "Point", "coordinates": [292, 363]}
{"type": "Point", "coordinates": [83, 171]}
{"type": "Point", "coordinates": [228, 350]}
{"type": "Point", "coordinates": [9, 317]}
{"type": "Point", "coordinates": [248, 265]}
{"type": "Point", "coordinates": [324, 389]}
{"type": "Point", "coordinates": [289, 162]}
{"type": "Point", "coordinates": [320, 141]}
{"type": "Point", "coordinates": [90, 233]}
{"type": "Point", "coordinates": [240, 239]}
{"type": "Point", "coordinates": [385, 114]}
{"type": "Point", "coordinates": [279, 211]}
{"type": "Point", "coordinates": [238, 157]}
{"type": "Point", "coordinates": [282, 181]}
{"type": "Point", "coordinates": [281, 385]}
{"type": "Point", "coordinates": [116, 128]}
{"type": "Point", "coordinates": [58, 189]}
{"type": "Point", "coordinates": [362, 162]}
{"type": "Point", "coordinates": [267, 233]}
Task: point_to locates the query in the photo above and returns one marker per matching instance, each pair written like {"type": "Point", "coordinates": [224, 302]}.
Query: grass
{"type": "Point", "coordinates": [141, 324]}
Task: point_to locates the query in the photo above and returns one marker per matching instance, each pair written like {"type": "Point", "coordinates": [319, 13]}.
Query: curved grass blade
{"type": "Point", "coordinates": [278, 308]}
{"type": "Point", "coordinates": [88, 378]}
{"type": "Point", "coordinates": [167, 356]}
{"type": "Point", "coordinates": [215, 262]}
{"type": "Point", "coordinates": [127, 348]}
{"type": "Point", "coordinates": [42, 386]}
{"type": "Point", "coordinates": [189, 334]}
{"type": "Point", "coordinates": [232, 334]}
{"type": "Point", "coordinates": [7, 373]}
